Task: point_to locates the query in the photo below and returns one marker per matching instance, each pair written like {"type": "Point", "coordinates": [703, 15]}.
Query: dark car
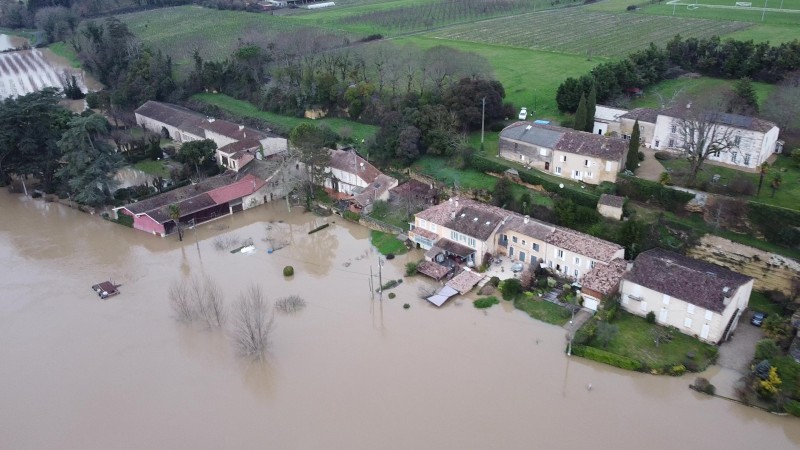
{"type": "Point", "coordinates": [758, 318]}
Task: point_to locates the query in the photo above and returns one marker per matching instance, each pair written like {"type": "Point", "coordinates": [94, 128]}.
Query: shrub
{"type": "Point", "coordinates": [392, 295]}
{"type": "Point", "coordinates": [766, 349]}
{"type": "Point", "coordinates": [494, 281]}
{"type": "Point", "coordinates": [406, 306]}
{"type": "Point", "coordinates": [288, 271]}
{"type": "Point", "coordinates": [663, 156]}
{"type": "Point", "coordinates": [290, 304]}
{"type": "Point", "coordinates": [411, 268]}
{"type": "Point", "coordinates": [510, 288]}
{"type": "Point", "coordinates": [641, 156]}
{"type": "Point", "coordinates": [350, 215]}
{"type": "Point", "coordinates": [486, 302]}
{"type": "Point", "coordinates": [612, 359]}
{"type": "Point", "coordinates": [677, 370]}
{"type": "Point", "coordinates": [650, 317]}
{"type": "Point", "coordinates": [703, 385]}
{"type": "Point", "coordinates": [124, 219]}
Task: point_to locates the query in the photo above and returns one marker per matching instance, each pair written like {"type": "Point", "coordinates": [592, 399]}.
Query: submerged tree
{"type": "Point", "coordinates": [253, 323]}
{"type": "Point", "coordinates": [175, 215]}
{"type": "Point", "coordinates": [89, 161]}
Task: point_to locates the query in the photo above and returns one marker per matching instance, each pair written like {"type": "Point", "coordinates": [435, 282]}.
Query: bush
{"type": "Point", "coordinates": [650, 317]}
{"type": "Point", "coordinates": [510, 288]}
{"type": "Point", "coordinates": [392, 295]}
{"type": "Point", "coordinates": [792, 407]}
{"type": "Point", "coordinates": [663, 156]}
{"type": "Point", "coordinates": [703, 385]}
{"type": "Point", "coordinates": [290, 304]}
{"type": "Point", "coordinates": [288, 271]}
{"type": "Point", "coordinates": [406, 306]}
{"type": "Point", "coordinates": [641, 156]}
{"type": "Point", "coordinates": [647, 191]}
{"type": "Point", "coordinates": [411, 268]}
{"type": "Point", "coordinates": [778, 225]}
{"type": "Point", "coordinates": [677, 370]}
{"type": "Point", "coordinates": [350, 215]}
{"type": "Point", "coordinates": [766, 349]}
{"type": "Point", "coordinates": [612, 359]}
{"type": "Point", "coordinates": [486, 302]}
{"type": "Point", "coordinates": [497, 126]}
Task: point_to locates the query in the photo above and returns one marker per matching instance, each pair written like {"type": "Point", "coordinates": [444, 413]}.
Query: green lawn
{"type": "Point", "coordinates": [635, 340]}
{"type": "Point", "coordinates": [284, 124]}
{"type": "Point", "coordinates": [65, 51]}
{"type": "Point", "coordinates": [530, 77]}
{"type": "Point", "coordinates": [690, 87]}
{"type": "Point", "coordinates": [387, 243]}
{"type": "Point", "coordinates": [443, 170]}
{"type": "Point", "coordinates": [760, 302]}
{"type": "Point", "coordinates": [542, 310]}
{"type": "Point", "coordinates": [157, 168]}
{"type": "Point", "coordinates": [787, 196]}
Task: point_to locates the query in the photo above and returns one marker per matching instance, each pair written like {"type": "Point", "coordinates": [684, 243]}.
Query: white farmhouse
{"type": "Point", "coordinates": [698, 298]}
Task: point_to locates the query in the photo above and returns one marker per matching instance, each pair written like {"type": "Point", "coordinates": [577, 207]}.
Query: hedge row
{"type": "Point", "coordinates": [583, 198]}
{"type": "Point", "coordinates": [792, 407]}
{"type": "Point", "coordinates": [612, 359]}
{"type": "Point", "coordinates": [650, 191]}
{"type": "Point", "coordinates": [778, 225]}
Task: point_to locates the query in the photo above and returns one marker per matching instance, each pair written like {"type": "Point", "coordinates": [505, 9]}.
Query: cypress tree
{"type": "Point", "coordinates": [591, 108]}
{"type": "Point", "coordinates": [632, 161]}
{"type": "Point", "coordinates": [580, 115]}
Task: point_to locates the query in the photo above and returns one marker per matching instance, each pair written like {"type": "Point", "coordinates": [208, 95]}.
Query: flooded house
{"type": "Point", "coordinates": [197, 203]}
{"type": "Point", "coordinates": [352, 178]}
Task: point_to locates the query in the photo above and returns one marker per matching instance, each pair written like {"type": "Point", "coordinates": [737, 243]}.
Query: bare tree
{"type": "Point", "coordinates": [211, 306]}
{"type": "Point", "coordinates": [290, 304]}
{"type": "Point", "coordinates": [181, 302]}
{"type": "Point", "coordinates": [702, 134]}
{"type": "Point", "coordinates": [253, 323]}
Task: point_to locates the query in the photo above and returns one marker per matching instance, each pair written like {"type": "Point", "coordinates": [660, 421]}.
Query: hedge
{"type": "Point", "coordinates": [778, 225]}
{"type": "Point", "coordinates": [612, 359]}
{"type": "Point", "coordinates": [645, 190]}
{"type": "Point", "coordinates": [792, 407]}
{"type": "Point", "coordinates": [579, 197]}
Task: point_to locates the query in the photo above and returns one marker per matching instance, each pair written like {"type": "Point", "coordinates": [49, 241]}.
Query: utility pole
{"type": "Point", "coordinates": [371, 287]}
{"type": "Point", "coordinates": [764, 11]}
{"type": "Point", "coordinates": [380, 276]}
{"type": "Point", "coordinates": [483, 116]}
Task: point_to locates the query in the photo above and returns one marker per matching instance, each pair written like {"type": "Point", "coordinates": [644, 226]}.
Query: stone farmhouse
{"type": "Point", "coordinates": [464, 231]}
{"type": "Point", "coordinates": [577, 155]}
{"type": "Point", "coordinates": [698, 298]}
{"type": "Point", "coordinates": [184, 125]}
{"type": "Point", "coordinates": [351, 177]}
{"type": "Point", "coordinates": [752, 140]}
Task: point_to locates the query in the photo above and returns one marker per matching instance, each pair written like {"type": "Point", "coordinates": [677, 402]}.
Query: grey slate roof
{"type": "Point", "coordinates": [611, 200]}
{"type": "Point", "coordinates": [566, 140]}
{"type": "Point", "coordinates": [642, 115]}
{"type": "Point", "coordinates": [693, 281]}
{"type": "Point", "coordinates": [528, 132]}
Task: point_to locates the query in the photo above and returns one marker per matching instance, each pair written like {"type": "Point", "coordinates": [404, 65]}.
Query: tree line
{"type": "Point", "coordinates": [731, 59]}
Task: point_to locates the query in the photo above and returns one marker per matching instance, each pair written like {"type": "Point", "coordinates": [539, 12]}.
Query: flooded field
{"type": "Point", "coordinates": [26, 71]}
{"type": "Point", "coordinates": [347, 372]}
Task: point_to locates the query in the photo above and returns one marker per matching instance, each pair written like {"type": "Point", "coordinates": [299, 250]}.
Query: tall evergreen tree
{"type": "Point", "coordinates": [591, 108]}
{"type": "Point", "coordinates": [632, 161]}
{"type": "Point", "coordinates": [744, 99]}
{"type": "Point", "coordinates": [580, 115]}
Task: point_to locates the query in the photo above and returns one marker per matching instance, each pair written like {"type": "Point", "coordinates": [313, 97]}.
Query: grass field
{"type": "Point", "coordinates": [786, 196]}
{"type": "Point", "coordinates": [542, 310]}
{"type": "Point", "coordinates": [215, 33]}
{"type": "Point", "coordinates": [150, 167]}
{"type": "Point", "coordinates": [284, 124]}
{"type": "Point", "coordinates": [530, 77]}
{"type": "Point", "coordinates": [692, 87]}
{"type": "Point", "coordinates": [66, 51]}
{"type": "Point", "coordinates": [635, 340]}
{"type": "Point", "coordinates": [387, 243]}
{"type": "Point", "coordinates": [588, 33]}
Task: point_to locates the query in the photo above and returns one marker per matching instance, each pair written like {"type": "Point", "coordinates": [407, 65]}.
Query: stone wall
{"type": "Point", "coordinates": [770, 271]}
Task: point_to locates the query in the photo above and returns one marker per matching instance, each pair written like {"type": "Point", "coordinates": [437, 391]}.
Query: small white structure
{"type": "Point", "coordinates": [319, 5]}
{"type": "Point", "coordinates": [605, 117]}
{"type": "Point", "coordinates": [611, 206]}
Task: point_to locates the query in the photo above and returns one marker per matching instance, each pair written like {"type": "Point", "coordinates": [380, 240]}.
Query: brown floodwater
{"type": "Point", "coordinates": [347, 372]}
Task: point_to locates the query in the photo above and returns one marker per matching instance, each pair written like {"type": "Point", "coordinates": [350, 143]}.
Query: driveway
{"type": "Point", "coordinates": [649, 169]}
{"type": "Point", "coordinates": [737, 353]}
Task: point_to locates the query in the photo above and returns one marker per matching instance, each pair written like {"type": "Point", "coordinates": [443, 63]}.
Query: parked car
{"type": "Point", "coordinates": [758, 318]}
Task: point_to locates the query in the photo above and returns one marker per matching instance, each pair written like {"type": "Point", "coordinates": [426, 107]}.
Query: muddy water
{"type": "Point", "coordinates": [128, 176]}
{"type": "Point", "coordinates": [9, 42]}
{"type": "Point", "coordinates": [346, 372]}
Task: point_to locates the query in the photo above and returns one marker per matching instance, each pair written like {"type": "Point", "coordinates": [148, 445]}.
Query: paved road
{"type": "Point", "coordinates": [649, 169]}
{"type": "Point", "coordinates": [737, 353]}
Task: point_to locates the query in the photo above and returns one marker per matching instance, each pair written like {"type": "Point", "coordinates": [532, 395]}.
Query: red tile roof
{"type": "Point", "coordinates": [239, 189]}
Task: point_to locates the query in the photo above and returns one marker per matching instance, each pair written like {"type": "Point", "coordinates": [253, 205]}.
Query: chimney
{"type": "Point", "coordinates": [526, 219]}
